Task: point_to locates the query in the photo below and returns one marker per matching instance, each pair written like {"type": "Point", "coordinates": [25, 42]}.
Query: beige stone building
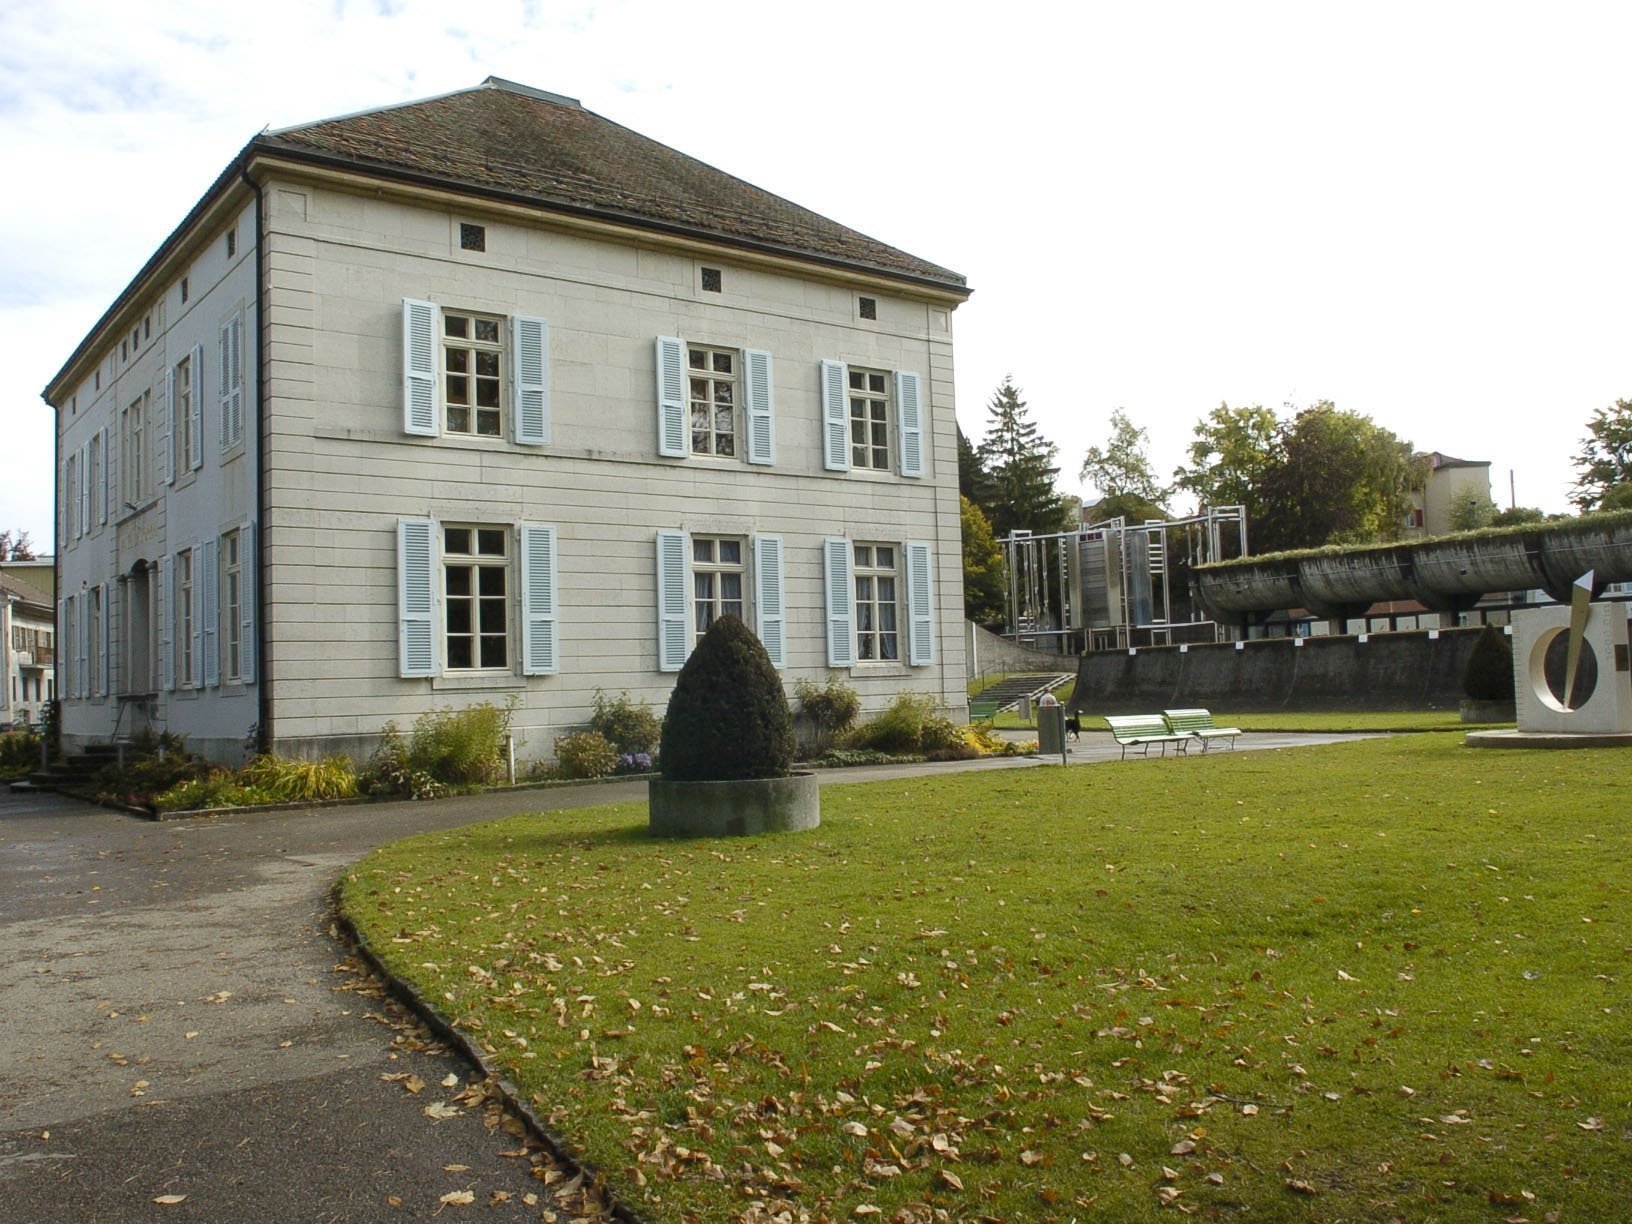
{"type": "Point", "coordinates": [1447, 482]}
{"type": "Point", "coordinates": [487, 398]}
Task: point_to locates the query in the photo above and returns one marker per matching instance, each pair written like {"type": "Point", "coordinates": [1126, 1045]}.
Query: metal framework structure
{"type": "Point", "coordinates": [1113, 584]}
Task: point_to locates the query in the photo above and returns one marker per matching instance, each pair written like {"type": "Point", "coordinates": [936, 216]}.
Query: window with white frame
{"type": "Point", "coordinates": [476, 584]}
{"type": "Point", "coordinates": [186, 656]}
{"type": "Point", "coordinates": [718, 572]}
{"type": "Point", "coordinates": [133, 458]}
{"type": "Point", "coordinates": [472, 361]}
{"type": "Point", "coordinates": [869, 419]}
{"type": "Point", "coordinates": [481, 568]}
{"type": "Point", "coordinates": [232, 605]}
{"type": "Point", "coordinates": [711, 376]}
{"type": "Point", "coordinates": [181, 420]}
{"type": "Point", "coordinates": [878, 637]}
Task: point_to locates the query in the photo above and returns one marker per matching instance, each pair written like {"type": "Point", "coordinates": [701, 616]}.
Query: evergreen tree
{"type": "Point", "coordinates": [1019, 465]}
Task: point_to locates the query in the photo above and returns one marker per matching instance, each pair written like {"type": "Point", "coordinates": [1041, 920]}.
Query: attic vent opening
{"type": "Point", "coordinates": [472, 237]}
{"type": "Point", "coordinates": [868, 307]}
{"type": "Point", "coordinates": [713, 281]}
{"type": "Point", "coordinates": [232, 242]}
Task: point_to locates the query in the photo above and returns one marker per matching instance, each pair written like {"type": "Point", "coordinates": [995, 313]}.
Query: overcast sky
{"type": "Point", "coordinates": [1417, 210]}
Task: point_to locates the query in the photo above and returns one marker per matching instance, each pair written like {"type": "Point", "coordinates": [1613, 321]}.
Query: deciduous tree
{"type": "Point", "coordinates": [16, 546]}
{"type": "Point", "coordinates": [985, 579]}
{"type": "Point", "coordinates": [1605, 459]}
{"type": "Point", "coordinates": [1121, 467]}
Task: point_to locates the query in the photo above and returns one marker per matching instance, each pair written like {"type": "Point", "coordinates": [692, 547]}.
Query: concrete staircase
{"type": "Point", "coordinates": [73, 772]}
{"type": "Point", "coordinates": [1011, 691]}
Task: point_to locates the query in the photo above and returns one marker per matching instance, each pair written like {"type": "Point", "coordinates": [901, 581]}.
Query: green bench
{"type": "Point", "coordinates": [982, 711]}
{"type": "Point", "coordinates": [1199, 723]}
{"type": "Point", "coordinates": [1142, 730]}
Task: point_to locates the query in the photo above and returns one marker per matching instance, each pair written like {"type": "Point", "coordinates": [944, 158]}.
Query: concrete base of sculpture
{"type": "Point", "coordinates": [1488, 711]}
{"type": "Point", "coordinates": [739, 808]}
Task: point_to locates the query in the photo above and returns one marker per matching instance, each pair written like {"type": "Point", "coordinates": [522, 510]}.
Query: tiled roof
{"type": "Point", "coordinates": [25, 591]}
{"type": "Point", "coordinates": [520, 143]}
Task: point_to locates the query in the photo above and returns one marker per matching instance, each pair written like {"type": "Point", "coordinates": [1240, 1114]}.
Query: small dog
{"type": "Point", "coordinates": [1073, 727]}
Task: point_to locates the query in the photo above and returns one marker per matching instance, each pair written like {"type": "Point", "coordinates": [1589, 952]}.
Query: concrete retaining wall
{"type": "Point", "coordinates": [1380, 671]}
{"type": "Point", "coordinates": [989, 654]}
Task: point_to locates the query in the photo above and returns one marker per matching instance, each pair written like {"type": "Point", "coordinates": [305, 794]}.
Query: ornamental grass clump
{"type": "Point", "coordinates": [728, 717]}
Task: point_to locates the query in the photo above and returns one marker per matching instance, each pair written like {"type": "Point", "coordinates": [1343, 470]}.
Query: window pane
{"type": "Point", "coordinates": [731, 552]}
{"type": "Point", "coordinates": [459, 616]}
{"type": "Point", "coordinates": [702, 586]}
{"type": "Point", "coordinates": [487, 393]}
{"type": "Point", "coordinates": [459, 652]}
{"type": "Point", "coordinates": [458, 390]}
{"type": "Point", "coordinates": [492, 613]}
{"type": "Point", "coordinates": [875, 383]}
{"type": "Point", "coordinates": [731, 587]}
{"type": "Point", "coordinates": [722, 363]}
{"type": "Point", "coordinates": [487, 365]}
{"type": "Point", "coordinates": [456, 325]}
{"type": "Point", "coordinates": [492, 581]}
{"type": "Point", "coordinates": [458, 580]}
{"type": "Point", "coordinates": [459, 361]}
{"type": "Point", "coordinates": [702, 550]}
{"type": "Point", "coordinates": [886, 646]}
{"type": "Point", "coordinates": [493, 652]}
{"type": "Point", "coordinates": [886, 558]}
{"type": "Point", "coordinates": [488, 329]}
{"type": "Point", "coordinates": [722, 394]}
{"type": "Point", "coordinates": [696, 359]}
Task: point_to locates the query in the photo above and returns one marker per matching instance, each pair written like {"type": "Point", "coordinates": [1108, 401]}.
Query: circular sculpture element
{"type": "Point", "coordinates": [1547, 668]}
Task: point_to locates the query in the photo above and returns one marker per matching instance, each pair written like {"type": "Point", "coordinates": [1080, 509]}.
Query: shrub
{"type": "Point", "coordinates": [391, 772]}
{"type": "Point", "coordinates": [1489, 672]}
{"type": "Point", "coordinates": [290, 781]}
{"type": "Point", "coordinates": [153, 764]}
{"type": "Point", "coordinates": [628, 725]}
{"type": "Point", "coordinates": [19, 753]}
{"type": "Point", "coordinates": [831, 709]}
{"type": "Point", "coordinates": [899, 728]}
{"type": "Point", "coordinates": [460, 747]}
{"type": "Point", "coordinates": [584, 754]}
{"type": "Point", "coordinates": [215, 790]}
{"type": "Point", "coordinates": [728, 717]}
{"type": "Point", "coordinates": [941, 739]}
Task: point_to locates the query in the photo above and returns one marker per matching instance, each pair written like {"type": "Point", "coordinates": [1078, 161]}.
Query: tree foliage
{"type": "Point", "coordinates": [1232, 450]}
{"type": "Point", "coordinates": [985, 579]}
{"type": "Point", "coordinates": [728, 717]}
{"type": "Point", "coordinates": [1605, 459]}
{"type": "Point", "coordinates": [1470, 509]}
{"type": "Point", "coordinates": [1018, 463]}
{"type": "Point", "coordinates": [1324, 476]}
{"type": "Point", "coordinates": [1121, 467]}
{"type": "Point", "coordinates": [16, 546]}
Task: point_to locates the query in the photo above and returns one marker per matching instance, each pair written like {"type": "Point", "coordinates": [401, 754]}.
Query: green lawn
{"type": "Point", "coordinates": [1359, 982]}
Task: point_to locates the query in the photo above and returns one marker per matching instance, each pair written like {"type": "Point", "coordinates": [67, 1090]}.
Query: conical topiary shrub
{"type": "Point", "coordinates": [1489, 673]}
{"type": "Point", "coordinates": [728, 717]}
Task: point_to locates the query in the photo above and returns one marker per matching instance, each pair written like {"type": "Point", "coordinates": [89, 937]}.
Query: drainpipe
{"type": "Point", "coordinates": [263, 685]}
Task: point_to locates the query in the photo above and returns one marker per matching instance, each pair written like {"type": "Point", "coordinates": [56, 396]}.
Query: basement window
{"type": "Point", "coordinates": [472, 237]}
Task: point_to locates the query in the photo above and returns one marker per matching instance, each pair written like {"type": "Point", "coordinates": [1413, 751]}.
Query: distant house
{"type": "Point", "coordinates": [1447, 480]}
{"type": "Point", "coordinates": [487, 398]}
{"type": "Point", "coordinates": [28, 634]}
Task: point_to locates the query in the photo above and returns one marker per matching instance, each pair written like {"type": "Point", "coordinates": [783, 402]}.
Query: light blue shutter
{"type": "Point", "coordinates": [196, 561]}
{"type": "Point", "coordinates": [167, 622]}
{"type": "Point", "coordinates": [673, 438]}
{"type": "Point", "coordinates": [539, 654]}
{"type": "Point", "coordinates": [909, 416]}
{"type": "Point", "coordinates": [419, 368]}
{"type": "Point", "coordinates": [246, 602]}
{"type": "Point", "coordinates": [232, 383]}
{"type": "Point", "coordinates": [167, 444]}
{"type": "Point", "coordinates": [835, 417]}
{"type": "Point", "coordinates": [210, 583]}
{"type": "Point", "coordinates": [920, 605]}
{"type": "Point", "coordinates": [841, 603]}
{"type": "Point", "coordinates": [416, 647]}
{"type": "Point", "coordinates": [107, 484]}
{"type": "Point", "coordinates": [84, 479]}
{"type": "Point", "coordinates": [195, 406]}
{"type": "Point", "coordinates": [768, 617]}
{"type": "Point", "coordinates": [672, 601]}
{"type": "Point", "coordinates": [530, 378]}
{"type": "Point", "coordinates": [761, 422]}
{"type": "Point", "coordinates": [104, 601]}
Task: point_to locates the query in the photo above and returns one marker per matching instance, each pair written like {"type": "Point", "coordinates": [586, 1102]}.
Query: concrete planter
{"type": "Point", "coordinates": [1488, 711]}
{"type": "Point", "coordinates": [739, 808]}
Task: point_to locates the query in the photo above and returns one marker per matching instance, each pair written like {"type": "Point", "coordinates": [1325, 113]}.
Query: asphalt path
{"type": "Point", "coordinates": [184, 1036]}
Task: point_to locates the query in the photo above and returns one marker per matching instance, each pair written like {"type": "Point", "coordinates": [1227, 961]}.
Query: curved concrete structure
{"type": "Point", "coordinates": [1445, 575]}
